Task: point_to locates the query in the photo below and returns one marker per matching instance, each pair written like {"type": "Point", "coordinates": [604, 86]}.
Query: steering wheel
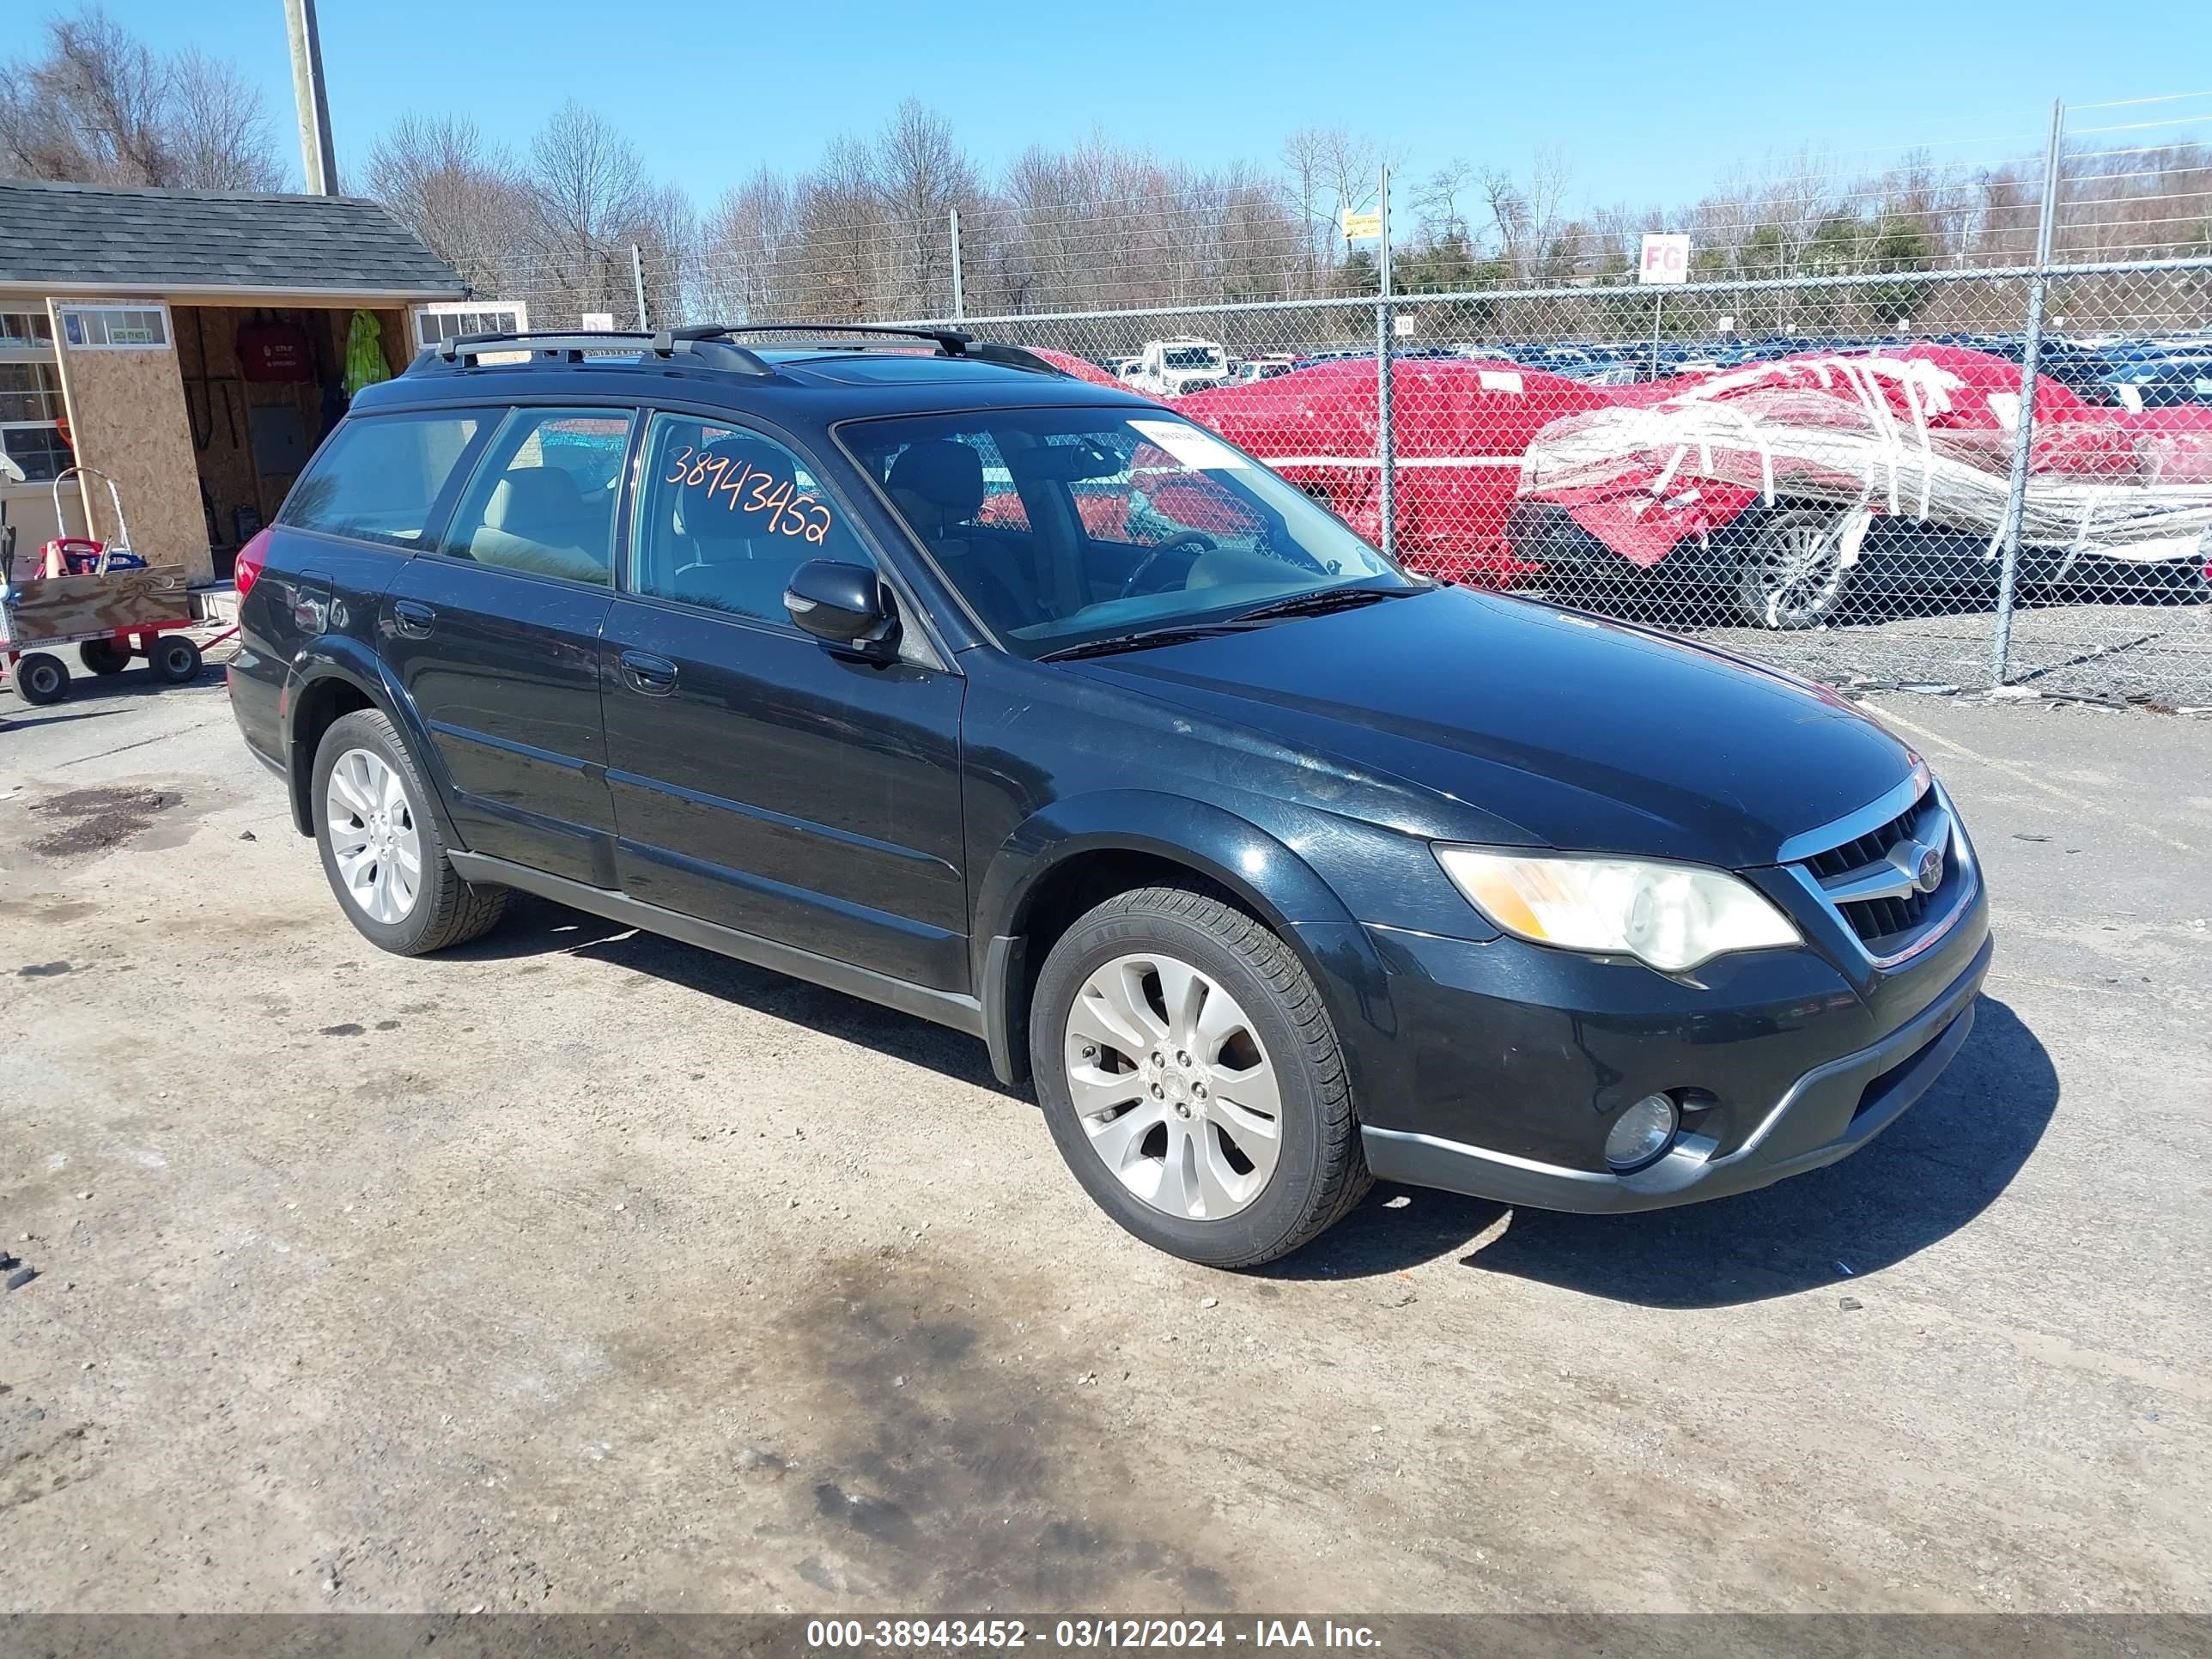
{"type": "Point", "coordinates": [1197, 539]}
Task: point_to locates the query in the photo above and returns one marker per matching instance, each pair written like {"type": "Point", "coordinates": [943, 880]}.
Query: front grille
{"type": "Point", "coordinates": [1888, 925]}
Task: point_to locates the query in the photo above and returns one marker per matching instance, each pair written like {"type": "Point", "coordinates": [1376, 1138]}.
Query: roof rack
{"type": "Point", "coordinates": [556, 346]}
{"type": "Point", "coordinates": [951, 342]}
{"type": "Point", "coordinates": [711, 346]}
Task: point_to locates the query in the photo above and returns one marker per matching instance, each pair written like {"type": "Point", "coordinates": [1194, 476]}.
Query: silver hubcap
{"type": "Point", "coordinates": [372, 837]}
{"type": "Point", "coordinates": [1173, 1087]}
{"type": "Point", "coordinates": [1799, 570]}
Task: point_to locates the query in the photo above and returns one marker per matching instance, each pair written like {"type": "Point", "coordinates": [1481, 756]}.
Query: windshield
{"type": "Point", "coordinates": [1192, 357]}
{"type": "Point", "coordinates": [1062, 527]}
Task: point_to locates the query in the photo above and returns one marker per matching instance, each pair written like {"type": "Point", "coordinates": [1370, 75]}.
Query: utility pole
{"type": "Point", "coordinates": [317, 162]}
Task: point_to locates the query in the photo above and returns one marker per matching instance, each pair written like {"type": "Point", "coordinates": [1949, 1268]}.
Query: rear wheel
{"type": "Point", "coordinates": [381, 846]}
{"type": "Point", "coordinates": [41, 677]}
{"type": "Point", "coordinates": [104, 656]}
{"type": "Point", "coordinates": [1192, 1078]}
{"type": "Point", "coordinates": [1792, 573]}
{"type": "Point", "coordinates": [175, 659]}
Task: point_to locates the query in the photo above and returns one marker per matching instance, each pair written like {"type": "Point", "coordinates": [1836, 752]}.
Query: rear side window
{"type": "Point", "coordinates": [542, 501]}
{"type": "Point", "coordinates": [725, 517]}
{"type": "Point", "coordinates": [380, 475]}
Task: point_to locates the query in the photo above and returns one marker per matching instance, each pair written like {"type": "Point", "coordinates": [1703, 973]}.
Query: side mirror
{"type": "Point", "coordinates": [846, 604]}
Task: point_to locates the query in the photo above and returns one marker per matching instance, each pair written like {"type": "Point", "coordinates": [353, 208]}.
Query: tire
{"type": "Point", "coordinates": [1791, 573]}
{"type": "Point", "coordinates": [175, 659]}
{"type": "Point", "coordinates": [1149, 1162]}
{"type": "Point", "coordinates": [41, 677]}
{"type": "Point", "coordinates": [381, 808]}
{"type": "Point", "coordinates": [104, 657]}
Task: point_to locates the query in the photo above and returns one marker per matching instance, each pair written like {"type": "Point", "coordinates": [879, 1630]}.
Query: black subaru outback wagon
{"type": "Point", "coordinates": [913, 667]}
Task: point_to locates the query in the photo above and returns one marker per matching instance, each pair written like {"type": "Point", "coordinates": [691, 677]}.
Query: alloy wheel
{"type": "Point", "coordinates": [1175, 1090]}
{"type": "Point", "coordinates": [1795, 572]}
{"type": "Point", "coordinates": [372, 836]}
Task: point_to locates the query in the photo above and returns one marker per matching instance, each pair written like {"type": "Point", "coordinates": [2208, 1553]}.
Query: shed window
{"type": "Point", "coordinates": [115, 328]}
{"type": "Point", "coordinates": [31, 407]}
{"type": "Point", "coordinates": [435, 324]}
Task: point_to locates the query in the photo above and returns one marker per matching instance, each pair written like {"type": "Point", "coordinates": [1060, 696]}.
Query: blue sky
{"type": "Point", "coordinates": [1649, 102]}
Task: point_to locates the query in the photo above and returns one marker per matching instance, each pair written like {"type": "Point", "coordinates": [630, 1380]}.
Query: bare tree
{"type": "Point", "coordinates": [920, 174]}
{"type": "Point", "coordinates": [1351, 168]}
{"type": "Point", "coordinates": [584, 178]}
{"type": "Point", "coordinates": [586, 190]}
{"type": "Point", "coordinates": [98, 107]}
{"type": "Point", "coordinates": [464, 197]}
{"type": "Point", "coordinates": [220, 135]}
{"type": "Point", "coordinates": [1442, 200]}
{"type": "Point", "coordinates": [746, 246]}
{"type": "Point", "coordinates": [1302, 158]}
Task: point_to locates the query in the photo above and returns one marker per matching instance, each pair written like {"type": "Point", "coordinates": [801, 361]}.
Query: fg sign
{"type": "Point", "coordinates": [1666, 259]}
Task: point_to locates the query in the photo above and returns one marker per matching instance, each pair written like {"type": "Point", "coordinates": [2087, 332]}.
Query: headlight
{"type": "Point", "coordinates": [1672, 916]}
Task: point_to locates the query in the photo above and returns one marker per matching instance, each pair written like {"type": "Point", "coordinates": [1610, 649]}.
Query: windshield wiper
{"type": "Point", "coordinates": [1321, 600]}
{"type": "Point", "coordinates": [1142, 639]}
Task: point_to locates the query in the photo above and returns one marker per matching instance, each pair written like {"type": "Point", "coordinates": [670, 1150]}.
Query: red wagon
{"type": "Point", "coordinates": [98, 596]}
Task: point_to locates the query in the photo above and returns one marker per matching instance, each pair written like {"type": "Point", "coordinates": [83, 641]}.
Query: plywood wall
{"type": "Point", "coordinates": [126, 412]}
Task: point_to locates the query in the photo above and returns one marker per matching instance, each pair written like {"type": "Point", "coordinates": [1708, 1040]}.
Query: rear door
{"type": "Point", "coordinates": [496, 636]}
{"type": "Point", "coordinates": [374, 492]}
{"type": "Point", "coordinates": [761, 779]}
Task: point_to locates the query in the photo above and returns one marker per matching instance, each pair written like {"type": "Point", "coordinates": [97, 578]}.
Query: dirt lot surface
{"type": "Point", "coordinates": [582, 1270]}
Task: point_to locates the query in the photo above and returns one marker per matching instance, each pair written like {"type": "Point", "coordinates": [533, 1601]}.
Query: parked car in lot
{"type": "Point", "coordinates": [1173, 369]}
{"type": "Point", "coordinates": [1275, 867]}
{"type": "Point", "coordinates": [2161, 383]}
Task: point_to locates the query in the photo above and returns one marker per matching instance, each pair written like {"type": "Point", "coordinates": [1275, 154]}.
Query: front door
{"type": "Point", "coordinates": [496, 636]}
{"type": "Point", "coordinates": [761, 779]}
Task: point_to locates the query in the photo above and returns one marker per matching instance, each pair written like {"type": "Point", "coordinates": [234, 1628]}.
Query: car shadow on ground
{"type": "Point", "coordinates": [1934, 1171]}
{"type": "Point", "coordinates": [538, 927]}
{"type": "Point", "coordinates": [1931, 1173]}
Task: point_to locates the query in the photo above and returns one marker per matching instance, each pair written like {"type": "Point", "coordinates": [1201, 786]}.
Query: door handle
{"type": "Point", "coordinates": [412, 618]}
{"type": "Point", "coordinates": [646, 674]}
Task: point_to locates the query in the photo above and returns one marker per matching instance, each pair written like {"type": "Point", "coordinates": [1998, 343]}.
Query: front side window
{"type": "Point", "coordinates": [725, 516]}
{"type": "Point", "coordinates": [1129, 520]}
{"type": "Point", "coordinates": [380, 477]}
{"type": "Point", "coordinates": [543, 499]}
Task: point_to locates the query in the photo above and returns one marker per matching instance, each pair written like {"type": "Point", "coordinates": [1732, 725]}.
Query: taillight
{"type": "Point", "coordinates": [251, 557]}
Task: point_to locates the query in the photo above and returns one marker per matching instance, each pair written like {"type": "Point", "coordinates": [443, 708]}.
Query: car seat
{"type": "Point", "coordinates": [539, 518]}
{"type": "Point", "coordinates": [734, 561]}
{"type": "Point", "coordinates": [939, 487]}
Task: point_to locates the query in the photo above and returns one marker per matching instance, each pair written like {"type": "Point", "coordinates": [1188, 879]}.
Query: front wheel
{"type": "Point", "coordinates": [381, 846]}
{"type": "Point", "coordinates": [1793, 569]}
{"type": "Point", "coordinates": [104, 657]}
{"type": "Point", "coordinates": [1192, 1080]}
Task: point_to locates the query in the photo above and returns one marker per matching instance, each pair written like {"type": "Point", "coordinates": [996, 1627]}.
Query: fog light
{"type": "Point", "coordinates": [1642, 1133]}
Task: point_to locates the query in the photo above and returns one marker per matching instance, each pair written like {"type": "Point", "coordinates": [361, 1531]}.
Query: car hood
{"type": "Point", "coordinates": [1522, 723]}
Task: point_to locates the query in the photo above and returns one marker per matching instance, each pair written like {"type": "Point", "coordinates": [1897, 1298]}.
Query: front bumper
{"type": "Point", "coordinates": [1827, 1112]}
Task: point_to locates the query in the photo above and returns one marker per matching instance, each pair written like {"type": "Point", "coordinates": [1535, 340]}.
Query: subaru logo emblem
{"type": "Point", "coordinates": [1930, 876]}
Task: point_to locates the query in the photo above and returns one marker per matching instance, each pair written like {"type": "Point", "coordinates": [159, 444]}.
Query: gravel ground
{"type": "Point", "coordinates": [583, 1270]}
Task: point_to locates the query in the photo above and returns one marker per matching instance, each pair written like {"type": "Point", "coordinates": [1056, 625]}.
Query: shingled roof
{"type": "Point", "coordinates": [95, 239]}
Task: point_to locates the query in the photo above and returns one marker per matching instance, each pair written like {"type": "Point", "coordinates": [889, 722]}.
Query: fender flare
{"type": "Point", "coordinates": [1211, 841]}
{"type": "Point", "coordinates": [337, 657]}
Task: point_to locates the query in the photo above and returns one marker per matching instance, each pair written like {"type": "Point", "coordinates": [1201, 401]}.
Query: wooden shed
{"type": "Point", "coordinates": [193, 346]}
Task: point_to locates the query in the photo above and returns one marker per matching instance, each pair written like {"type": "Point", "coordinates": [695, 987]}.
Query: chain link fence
{"type": "Point", "coordinates": [1816, 450]}
{"type": "Point", "coordinates": [1818, 473]}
